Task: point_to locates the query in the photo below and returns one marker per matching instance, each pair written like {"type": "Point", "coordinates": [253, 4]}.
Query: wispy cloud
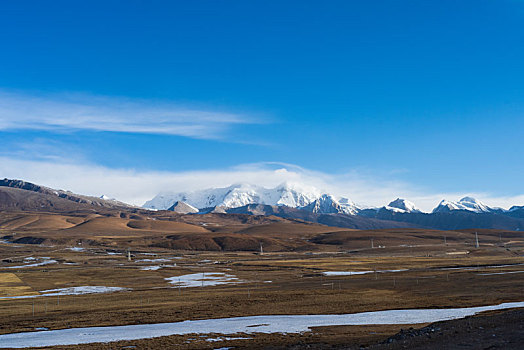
{"type": "Point", "coordinates": [68, 112]}
{"type": "Point", "coordinates": [136, 187]}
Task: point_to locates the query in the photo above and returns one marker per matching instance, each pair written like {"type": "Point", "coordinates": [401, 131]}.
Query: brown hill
{"type": "Point", "coordinates": [18, 194]}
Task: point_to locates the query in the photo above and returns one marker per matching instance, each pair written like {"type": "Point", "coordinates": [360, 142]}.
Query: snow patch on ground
{"type": "Point", "coordinates": [235, 325]}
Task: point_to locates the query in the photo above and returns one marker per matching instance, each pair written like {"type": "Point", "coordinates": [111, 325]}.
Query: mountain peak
{"type": "Point", "coordinates": [466, 203]}
{"type": "Point", "coordinates": [327, 204]}
{"type": "Point", "coordinates": [403, 206]}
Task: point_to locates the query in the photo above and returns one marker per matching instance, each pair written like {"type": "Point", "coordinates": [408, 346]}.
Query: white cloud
{"type": "Point", "coordinates": [136, 187]}
{"type": "Point", "coordinates": [67, 112]}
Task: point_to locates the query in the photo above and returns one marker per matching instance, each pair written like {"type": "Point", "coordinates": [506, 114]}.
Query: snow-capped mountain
{"type": "Point", "coordinates": [400, 205]}
{"type": "Point", "coordinates": [301, 197]}
{"type": "Point", "coordinates": [466, 203]}
{"type": "Point", "coordinates": [238, 195]}
{"type": "Point", "coordinates": [327, 204]}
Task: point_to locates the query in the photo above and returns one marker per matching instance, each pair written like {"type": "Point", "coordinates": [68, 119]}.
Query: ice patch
{"type": "Point", "coordinates": [76, 249]}
{"type": "Point", "coordinates": [155, 267]}
{"type": "Point", "coordinates": [152, 260]}
{"type": "Point", "coordinates": [82, 290]}
{"type": "Point", "coordinates": [226, 338]}
{"type": "Point", "coordinates": [499, 273]}
{"type": "Point", "coordinates": [345, 273]}
{"type": "Point", "coordinates": [70, 291]}
{"type": "Point", "coordinates": [205, 279]}
{"type": "Point", "coordinates": [46, 261]}
{"type": "Point", "coordinates": [350, 273]}
{"type": "Point", "coordinates": [235, 325]}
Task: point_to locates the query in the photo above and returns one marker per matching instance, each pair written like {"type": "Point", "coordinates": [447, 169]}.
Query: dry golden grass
{"type": "Point", "coordinates": [11, 285]}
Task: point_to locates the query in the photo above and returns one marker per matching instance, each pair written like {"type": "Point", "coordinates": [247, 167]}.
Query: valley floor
{"type": "Point", "coordinates": [124, 278]}
{"type": "Point", "coordinates": [37, 289]}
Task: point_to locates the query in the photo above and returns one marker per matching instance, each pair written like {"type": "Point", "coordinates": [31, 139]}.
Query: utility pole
{"type": "Point", "coordinates": [261, 249]}
{"type": "Point", "coordinates": [372, 246]}
{"type": "Point", "coordinates": [476, 240]}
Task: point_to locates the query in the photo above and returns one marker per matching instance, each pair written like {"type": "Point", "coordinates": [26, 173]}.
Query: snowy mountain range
{"type": "Point", "coordinates": [466, 203]}
{"type": "Point", "coordinates": [288, 194]}
{"type": "Point", "coordinates": [237, 195]}
{"type": "Point", "coordinates": [297, 196]}
{"type": "Point", "coordinates": [288, 201]}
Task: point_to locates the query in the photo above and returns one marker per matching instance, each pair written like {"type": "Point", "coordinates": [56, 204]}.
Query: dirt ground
{"type": "Point", "coordinates": [428, 274]}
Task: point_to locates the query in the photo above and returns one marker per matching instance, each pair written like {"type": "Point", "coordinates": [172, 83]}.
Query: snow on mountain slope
{"type": "Point", "coordinates": [466, 203]}
{"type": "Point", "coordinates": [327, 204]}
{"type": "Point", "coordinates": [400, 205]}
{"type": "Point", "coordinates": [238, 195]}
{"type": "Point", "coordinates": [297, 196]}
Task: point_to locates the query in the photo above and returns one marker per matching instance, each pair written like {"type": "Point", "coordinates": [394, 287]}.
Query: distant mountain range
{"type": "Point", "coordinates": [238, 195]}
{"type": "Point", "coordinates": [291, 200]}
{"type": "Point", "coordinates": [301, 197]}
{"type": "Point", "coordinates": [288, 201]}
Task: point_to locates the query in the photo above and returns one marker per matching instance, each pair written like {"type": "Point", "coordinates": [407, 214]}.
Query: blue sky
{"type": "Point", "coordinates": [426, 96]}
